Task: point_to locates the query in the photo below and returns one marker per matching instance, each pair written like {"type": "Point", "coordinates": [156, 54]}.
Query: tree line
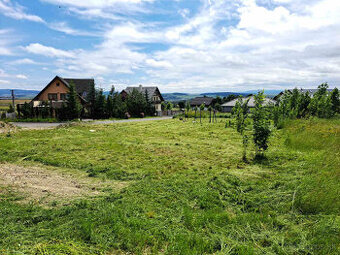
{"type": "Point", "coordinates": [257, 123]}
{"type": "Point", "coordinates": [98, 106]}
{"type": "Point", "coordinates": [299, 104]}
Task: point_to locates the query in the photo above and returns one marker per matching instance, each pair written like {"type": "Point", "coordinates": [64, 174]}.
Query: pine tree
{"type": "Point", "coordinates": [99, 106]}
{"type": "Point", "coordinates": [109, 107]}
{"type": "Point", "coordinates": [112, 90]}
{"type": "Point", "coordinates": [119, 106]}
{"type": "Point", "coordinates": [91, 99]}
{"type": "Point", "coordinates": [150, 109]}
{"type": "Point", "coordinates": [73, 104]}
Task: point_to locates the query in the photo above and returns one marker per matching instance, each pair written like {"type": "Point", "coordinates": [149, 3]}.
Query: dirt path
{"type": "Point", "coordinates": [46, 184]}
{"type": "Point", "coordinates": [42, 125]}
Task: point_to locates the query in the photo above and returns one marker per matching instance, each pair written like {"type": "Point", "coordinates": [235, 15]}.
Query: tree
{"type": "Point", "coordinates": [261, 125]}
{"type": "Point", "coordinates": [209, 109]}
{"type": "Point", "coordinates": [218, 107]}
{"type": "Point", "coordinates": [322, 90]}
{"type": "Point", "coordinates": [119, 106]}
{"type": "Point", "coordinates": [163, 106]}
{"type": "Point", "coordinates": [99, 106]}
{"type": "Point", "coordinates": [10, 109]}
{"type": "Point", "coordinates": [26, 110]}
{"type": "Point", "coordinates": [202, 106]}
{"type": "Point", "coordinates": [218, 100]}
{"type": "Point", "coordinates": [112, 90]}
{"type": "Point", "coordinates": [229, 98]}
{"type": "Point", "coordinates": [241, 114]}
{"type": "Point", "coordinates": [321, 104]}
{"type": "Point", "coordinates": [304, 100]}
{"type": "Point", "coordinates": [73, 105]}
{"type": "Point", "coordinates": [91, 99]}
{"type": "Point", "coordinates": [335, 100]}
{"type": "Point", "coordinates": [181, 104]}
{"type": "Point", "coordinates": [187, 106]}
{"type": "Point", "coordinates": [169, 107]}
{"type": "Point", "coordinates": [109, 107]}
{"type": "Point", "coordinates": [149, 108]}
{"type": "Point", "coordinates": [136, 103]}
{"type": "Point", "coordinates": [196, 108]}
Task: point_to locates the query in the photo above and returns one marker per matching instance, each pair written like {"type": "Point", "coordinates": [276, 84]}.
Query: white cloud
{"type": "Point", "coordinates": [106, 9]}
{"type": "Point", "coordinates": [95, 3]}
{"type": "Point", "coordinates": [24, 61]}
{"type": "Point", "coordinates": [16, 11]}
{"type": "Point", "coordinates": [5, 41]}
{"type": "Point", "coordinates": [3, 73]}
{"type": "Point", "coordinates": [21, 76]}
{"type": "Point", "coordinates": [37, 48]}
{"type": "Point", "coordinates": [4, 82]}
{"type": "Point", "coordinates": [158, 64]}
{"type": "Point", "coordinates": [65, 28]}
{"type": "Point", "coordinates": [267, 48]}
{"type": "Point", "coordinates": [184, 12]}
{"type": "Point", "coordinates": [226, 45]}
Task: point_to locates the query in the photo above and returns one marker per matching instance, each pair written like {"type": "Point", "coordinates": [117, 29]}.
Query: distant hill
{"type": "Point", "coordinates": [268, 92]}
{"type": "Point", "coordinates": [19, 93]}
{"type": "Point", "coordinates": [176, 96]}
{"type": "Point", "coordinates": [187, 96]}
{"type": "Point", "coordinates": [224, 94]}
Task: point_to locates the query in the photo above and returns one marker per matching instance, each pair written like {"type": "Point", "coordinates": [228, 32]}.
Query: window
{"type": "Point", "coordinates": [52, 96]}
{"type": "Point", "coordinates": [155, 98]}
{"type": "Point", "coordinates": [58, 84]}
{"type": "Point", "coordinates": [63, 96]}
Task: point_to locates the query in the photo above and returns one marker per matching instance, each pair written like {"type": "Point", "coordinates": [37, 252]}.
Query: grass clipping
{"type": "Point", "coordinates": [7, 128]}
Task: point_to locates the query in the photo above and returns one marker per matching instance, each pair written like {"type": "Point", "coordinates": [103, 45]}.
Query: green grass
{"type": "Point", "coordinates": [205, 114]}
{"type": "Point", "coordinates": [47, 120]}
{"type": "Point", "coordinates": [189, 191]}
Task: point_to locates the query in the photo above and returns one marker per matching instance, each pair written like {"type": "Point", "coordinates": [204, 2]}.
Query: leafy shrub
{"type": "Point", "coordinates": [261, 125]}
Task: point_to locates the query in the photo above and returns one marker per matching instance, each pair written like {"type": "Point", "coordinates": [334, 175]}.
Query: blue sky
{"type": "Point", "coordinates": [178, 45]}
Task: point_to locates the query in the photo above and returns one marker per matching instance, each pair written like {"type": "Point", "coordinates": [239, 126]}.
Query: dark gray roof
{"type": "Point", "coordinates": [251, 102]}
{"type": "Point", "coordinates": [310, 91]}
{"type": "Point", "coordinates": [150, 90]}
{"type": "Point", "coordinates": [197, 101]}
{"type": "Point", "coordinates": [81, 85]}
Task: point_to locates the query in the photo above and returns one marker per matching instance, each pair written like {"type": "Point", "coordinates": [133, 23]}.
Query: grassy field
{"type": "Point", "coordinates": [186, 191]}
{"type": "Point", "coordinates": [4, 104]}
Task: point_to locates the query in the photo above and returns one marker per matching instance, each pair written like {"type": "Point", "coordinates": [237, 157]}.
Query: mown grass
{"type": "Point", "coordinates": [190, 192]}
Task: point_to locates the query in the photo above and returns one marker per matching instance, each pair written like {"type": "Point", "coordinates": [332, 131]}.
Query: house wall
{"type": "Point", "coordinates": [158, 107]}
{"type": "Point", "coordinates": [227, 108]}
{"type": "Point", "coordinates": [53, 88]}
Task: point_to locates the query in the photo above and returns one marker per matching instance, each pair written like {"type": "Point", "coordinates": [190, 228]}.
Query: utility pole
{"type": "Point", "coordinates": [12, 90]}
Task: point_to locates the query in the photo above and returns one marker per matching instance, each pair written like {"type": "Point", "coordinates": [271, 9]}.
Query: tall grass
{"type": "Point", "coordinates": [319, 191]}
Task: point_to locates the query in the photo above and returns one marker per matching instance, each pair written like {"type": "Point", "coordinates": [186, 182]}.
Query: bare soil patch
{"type": "Point", "coordinates": [46, 184]}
